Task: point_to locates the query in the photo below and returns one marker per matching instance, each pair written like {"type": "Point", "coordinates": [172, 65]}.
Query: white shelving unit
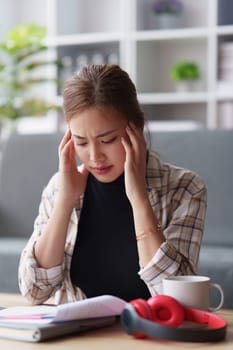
{"type": "Point", "coordinates": [125, 31]}
{"type": "Point", "coordinates": [197, 40]}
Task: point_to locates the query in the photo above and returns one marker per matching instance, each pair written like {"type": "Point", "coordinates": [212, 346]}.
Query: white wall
{"type": "Point", "coordinates": [7, 16]}
{"type": "Point", "coordinates": [13, 12]}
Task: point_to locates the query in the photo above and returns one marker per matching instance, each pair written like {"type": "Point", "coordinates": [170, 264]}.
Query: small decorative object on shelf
{"type": "Point", "coordinates": [113, 58]}
{"type": "Point", "coordinates": [81, 60]}
{"type": "Point", "coordinates": [97, 58]}
{"type": "Point", "coordinates": [225, 69]}
{"type": "Point", "coordinates": [67, 68]}
{"type": "Point", "coordinates": [185, 74]}
{"type": "Point", "coordinates": [168, 13]}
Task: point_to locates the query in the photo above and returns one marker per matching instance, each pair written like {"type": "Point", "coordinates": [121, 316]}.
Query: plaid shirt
{"type": "Point", "coordinates": [178, 199]}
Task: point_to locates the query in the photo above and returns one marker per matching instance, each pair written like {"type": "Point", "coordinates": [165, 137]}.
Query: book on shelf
{"type": "Point", "coordinates": [41, 322]}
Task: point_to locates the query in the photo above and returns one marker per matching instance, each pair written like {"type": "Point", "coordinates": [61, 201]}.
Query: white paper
{"type": "Point", "coordinates": [104, 305]}
{"type": "Point", "coordinates": [101, 306]}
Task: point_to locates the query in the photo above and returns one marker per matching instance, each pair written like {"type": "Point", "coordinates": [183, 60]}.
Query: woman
{"type": "Point", "coordinates": [123, 220]}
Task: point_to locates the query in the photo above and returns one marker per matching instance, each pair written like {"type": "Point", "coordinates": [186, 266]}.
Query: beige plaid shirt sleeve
{"type": "Point", "coordinates": [178, 198]}
{"type": "Point", "coordinates": [39, 284]}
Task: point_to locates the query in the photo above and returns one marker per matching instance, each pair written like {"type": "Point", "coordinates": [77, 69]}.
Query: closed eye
{"type": "Point", "coordinates": [81, 144]}
{"type": "Point", "coordinates": [110, 141]}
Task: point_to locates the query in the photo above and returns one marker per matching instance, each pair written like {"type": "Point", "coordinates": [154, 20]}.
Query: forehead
{"type": "Point", "coordinates": [94, 120]}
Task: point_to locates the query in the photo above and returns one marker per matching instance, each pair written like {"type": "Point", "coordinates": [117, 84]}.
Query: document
{"type": "Point", "coordinates": [41, 322]}
{"type": "Point", "coordinates": [37, 332]}
{"type": "Point", "coordinates": [101, 306]}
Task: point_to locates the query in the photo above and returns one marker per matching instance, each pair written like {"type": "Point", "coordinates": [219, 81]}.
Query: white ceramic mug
{"type": "Point", "coordinates": [192, 291]}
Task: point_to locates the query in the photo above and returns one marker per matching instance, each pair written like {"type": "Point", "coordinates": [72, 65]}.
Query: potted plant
{"type": "Point", "coordinates": [21, 63]}
{"type": "Point", "coordinates": [168, 13]}
{"type": "Point", "coordinates": [184, 74]}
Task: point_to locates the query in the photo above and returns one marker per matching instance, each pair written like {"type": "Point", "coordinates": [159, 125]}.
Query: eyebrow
{"type": "Point", "coordinates": [97, 136]}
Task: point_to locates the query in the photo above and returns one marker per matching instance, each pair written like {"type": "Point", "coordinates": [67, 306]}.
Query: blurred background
{"type": "Point", "coordinates": [179, 53]}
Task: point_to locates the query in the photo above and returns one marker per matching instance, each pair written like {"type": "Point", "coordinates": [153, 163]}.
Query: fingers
{"type": "Point", "coordinates": [65, 139]}
{"type": "Point", "coordinates": [66, 146]}
{"type": "Point", "coordinates": [126, 144]}
{"type": "Point", "coordinates": [67, 152]}
{"type": "Point", "coordinates": [136, 138]}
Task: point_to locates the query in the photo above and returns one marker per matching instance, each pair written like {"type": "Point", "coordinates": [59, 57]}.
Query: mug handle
{"type": "Point", "coordinates": [215, 285]}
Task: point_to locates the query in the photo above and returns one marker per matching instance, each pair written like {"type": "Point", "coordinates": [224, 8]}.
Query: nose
{"type": "Point", "coordinates": [95, 153]}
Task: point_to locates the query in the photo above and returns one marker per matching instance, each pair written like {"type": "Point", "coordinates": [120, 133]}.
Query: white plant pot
{"type": "Point", "coordinates": [168, 21]}
{"type": "Point", "coordinates": [186, 85]}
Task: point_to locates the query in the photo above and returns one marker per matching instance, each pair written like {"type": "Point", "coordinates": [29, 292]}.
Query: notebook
{"type": "Point", "coordinates": [37, 332]}
{"type": "Point", "coordinates": [41, 322]}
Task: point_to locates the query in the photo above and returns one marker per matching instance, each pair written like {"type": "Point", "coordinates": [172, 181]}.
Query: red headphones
{"type": "Point", "coordinates": [161, 315]}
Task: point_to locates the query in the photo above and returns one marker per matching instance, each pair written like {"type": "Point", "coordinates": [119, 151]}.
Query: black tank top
{"type": "Point", "coordinates": [105, 257]}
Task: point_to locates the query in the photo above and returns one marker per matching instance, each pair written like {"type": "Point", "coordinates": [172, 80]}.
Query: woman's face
{"type": "Point", "coordinates": [97, 138]}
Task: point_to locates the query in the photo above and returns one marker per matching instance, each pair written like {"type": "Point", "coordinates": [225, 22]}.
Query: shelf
{"type": "Point", "coordinates": [83, 39]}
{"type": "Point", "coordinates": [182, 34]}
{"type": "Point", "coordinates": [171, 98]}
{"type": "Point", "coordinates": [84, 16]}
{"type": "Point", "coordinates": [178, 125]}
{"type": "Point", "coordinates": [148, 53]}
{"type": "Point", "coordinates": [128, 30]}
{"type": "Point", "coordinates": [224, 30]}
{"type": "Point", "coordinates": [225, 96]}
{"type": "Point", "coordinates": [157, 58]}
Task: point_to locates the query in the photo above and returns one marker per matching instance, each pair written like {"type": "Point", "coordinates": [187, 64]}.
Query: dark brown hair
{"type": "Point", "coordinates": [102, 86]}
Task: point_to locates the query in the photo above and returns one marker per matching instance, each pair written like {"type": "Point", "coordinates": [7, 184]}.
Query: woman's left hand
{"type": "Point", "coordinates": [135, 163]}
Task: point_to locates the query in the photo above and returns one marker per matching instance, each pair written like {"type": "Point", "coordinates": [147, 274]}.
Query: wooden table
{"type": "Point", "coordinates": [112, 338]}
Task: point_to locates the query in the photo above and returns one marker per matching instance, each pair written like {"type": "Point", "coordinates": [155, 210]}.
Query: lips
{"type": "Point", "coordinates": [102, 169]}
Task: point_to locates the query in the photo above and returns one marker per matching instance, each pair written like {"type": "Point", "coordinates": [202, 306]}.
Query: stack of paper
{"type": "Point", "coordinates": [41, 322]}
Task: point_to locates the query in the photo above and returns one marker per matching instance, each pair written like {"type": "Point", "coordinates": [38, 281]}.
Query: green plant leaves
{"type": "Point", "coordinates": [23, 36]}
{"type": "Point", "coordinates": [22, 57]}
{"type": "Point", "coordinates": [185, 70]}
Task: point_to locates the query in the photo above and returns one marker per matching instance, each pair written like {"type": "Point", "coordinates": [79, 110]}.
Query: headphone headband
{"type": "Point", "coordinates": [132, 323]}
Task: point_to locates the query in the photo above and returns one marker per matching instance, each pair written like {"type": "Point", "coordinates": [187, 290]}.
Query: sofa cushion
{"type": "Point", "coordinates": [10, 250]}
{"type": "Point", "coordinates": [27, 163]}
{"type": "Point", "coordinates": [207, 152]}
{"type": "Point", "coordinates": [217, 263]}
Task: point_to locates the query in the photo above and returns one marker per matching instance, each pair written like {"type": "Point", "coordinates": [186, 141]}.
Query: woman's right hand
{"type": "Point", "coordinates": [72, 181]}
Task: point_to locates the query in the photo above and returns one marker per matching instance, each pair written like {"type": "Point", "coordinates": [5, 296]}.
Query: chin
{"type": "Point", "coordinates": [107, 178]}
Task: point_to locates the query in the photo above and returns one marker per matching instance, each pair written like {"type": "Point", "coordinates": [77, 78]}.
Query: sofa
{"type": "Point", "coordinates": [26, 164]}
{"type": "Point", "coordinates": [208, 152]}
{"type": "Point", "coordinates": [28, 161]}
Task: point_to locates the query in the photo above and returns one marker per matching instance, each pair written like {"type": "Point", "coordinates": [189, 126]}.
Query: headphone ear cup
{"type": "Point", "coordinates": [143, 309]}
{"type": "Point", "coordinates": [166, 310]}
